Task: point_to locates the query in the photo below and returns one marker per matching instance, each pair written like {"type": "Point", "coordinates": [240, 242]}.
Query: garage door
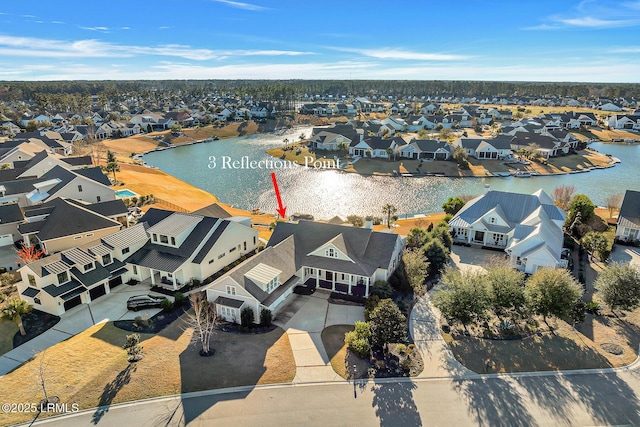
{"type": "Point", "coordinates": [73, 302]}
{"type": "Point", "coordinates": [97, 292]}
{"type": "Point", "coordinates": [6, 240]}
{"type": "Point", "coordinates": [115, 282]}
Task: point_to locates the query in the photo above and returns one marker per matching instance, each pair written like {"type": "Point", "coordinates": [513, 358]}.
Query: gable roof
{"type": "Point", "coordinates": [630, 208]}
{"type": "Point", "coordinates": [108, 208]}
{"type": "Point", "coordinates": [10, 213]}
{"type": "Point", "coordinates": [67, 219]}
{"type": "Point", "coordinates": [368, 249]}
{"type": "Point", "coordinates": [214, 210]}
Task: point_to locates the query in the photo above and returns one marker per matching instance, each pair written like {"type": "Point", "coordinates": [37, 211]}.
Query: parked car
{"type": "Point", "coordinates": [304, 290]}
{"type": "Point", "coordinates": [138, 302]}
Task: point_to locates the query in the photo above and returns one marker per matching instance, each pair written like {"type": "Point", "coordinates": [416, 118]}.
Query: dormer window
{"type": "Point", "coordinates": [164, 239]}
{"type": "Point", "coordinates": [331, 253]}
{"type": "Point", "coordinates": [492, 220]}
{"type": "Point", "coordinates": [155, 237]}
{"type": "Point", "coordinates": [173, 241]}
{"type": "Point", "coordinates": [88, 267]}
{"type": "Point", "coordinates": [106, 259]}
{"type": "Point", "coordinates": [63, 277]}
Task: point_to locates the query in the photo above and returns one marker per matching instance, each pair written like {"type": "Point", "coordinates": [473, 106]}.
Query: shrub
{"type": "Point", "coordinates": [266, 317]}
{"type": "Point", "coordinates": [133, 348]}
{"type": "Point", "coordinates": [195, 283]}
{"type": "Point", "coordinates": [382, 288]}
{"type": "Point", "coordinates": [167, 305]}
{"type": "Point", "coordinates": [179, 299]}
{"type": "Point", "coordinates": [371, 303]}
{"type": "Point", "coordinates": [401, 348]}
{"type": "Point", "coordinates": [247, 317]}
{"type": "Point", "coordinates": [358, 339]}
{"type": "Point", "coordinates": [593, 307]}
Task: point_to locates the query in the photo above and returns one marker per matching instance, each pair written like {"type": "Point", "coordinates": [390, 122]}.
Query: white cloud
{"type": "Point", "coordinates": [48, 48]}
{"type": "Point", "coordinates": [590, 22]}
{"type": "Point", "coordinates": [390, 53]}
{"type": "Point", "coordinates": [240, 5]}
{"type": "Point", "coordinates": [102, 29]}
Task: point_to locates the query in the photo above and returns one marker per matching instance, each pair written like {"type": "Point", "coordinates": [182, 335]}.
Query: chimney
{"type": "Point", "coordinates": [368, 223]}
{"type": "Point", "coordinates": [487, 188]}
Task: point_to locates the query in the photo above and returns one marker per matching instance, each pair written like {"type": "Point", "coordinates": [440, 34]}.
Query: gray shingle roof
{"type": "Point", "coordinates": [221, 226]}
{"type": "Point", "coordinates": [108, 208]}
{"type": "Point", "coordinates": [213, 210]}
{"type": "Point", "coordinates": [630, 208]}
{"type": "Point", "coordinates": [229, 302]}
{"type": "Point", "coordinates": [10, 213]}
{"type": "Point", "coordinates": [56, 291]}
{"type": "Point", "coordinates": [30, 292]}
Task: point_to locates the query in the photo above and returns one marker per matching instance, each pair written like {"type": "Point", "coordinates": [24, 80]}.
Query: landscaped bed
{"type": "Point", "coordinates": [35, 323]}
{"type": "Point", "coordinates": [398, 360]}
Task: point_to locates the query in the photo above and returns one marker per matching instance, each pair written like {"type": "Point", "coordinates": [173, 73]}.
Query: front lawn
{"type": "Point", "coordinates": [91, 369]}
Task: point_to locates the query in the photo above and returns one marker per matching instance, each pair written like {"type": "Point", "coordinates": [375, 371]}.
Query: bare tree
{"type": "Point", "coordinates": [203, 319]}
{"type": "Point", "coordinates": [613, 202]}
{"type": "Point", "coordinates": [562, 196]}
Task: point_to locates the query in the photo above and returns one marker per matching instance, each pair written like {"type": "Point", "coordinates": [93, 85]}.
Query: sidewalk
{"type": "Point", "coordinates": [425, 330]}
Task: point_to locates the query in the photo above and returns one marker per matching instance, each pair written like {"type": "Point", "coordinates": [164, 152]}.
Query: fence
{"type": "Point", "coordinates": [170, 205]}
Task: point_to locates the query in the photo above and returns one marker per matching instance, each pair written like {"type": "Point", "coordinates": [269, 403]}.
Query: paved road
{"type": "Point", "coordinates": [518, 400]}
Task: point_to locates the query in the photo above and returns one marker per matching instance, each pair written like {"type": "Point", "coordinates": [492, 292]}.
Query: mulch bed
{"type": "Point", "coordinates": [390, 364]}
{"type": "Point", "coordinates": [154, 324]}
{"type": "Point", "coordinates": [35, 323]}
{"type": "Point", "coordinates": [234, 328]}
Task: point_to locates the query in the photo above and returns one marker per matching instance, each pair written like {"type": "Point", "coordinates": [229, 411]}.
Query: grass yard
{"type": "Point", "coordinates": [333, 341]}
{"type": "Point", "coordinates": [7, 331]}
{"type": "Point", "coordinates": [95, 371]}
{"type": "Point", "coordinates": [565, 350]}
{"type": "Point", "coordinates": [608, 135]}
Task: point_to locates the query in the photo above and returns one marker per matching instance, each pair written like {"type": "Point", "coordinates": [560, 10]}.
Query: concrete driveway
{"type": "Point", "coordinates": [304, 328]}
{"type": "Point", "coordinates": [107, 308]}
{"type": "Point", "coordinates": [473, 258]}
{"type": "Point", "coordinates": [625, 254]}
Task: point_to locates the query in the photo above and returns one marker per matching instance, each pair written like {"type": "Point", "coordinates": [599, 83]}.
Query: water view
{"type": "Point", "coordinates": [326, 193]}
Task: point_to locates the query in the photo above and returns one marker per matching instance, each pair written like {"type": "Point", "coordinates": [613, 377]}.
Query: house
{"type": "Point", "coordinates": [547, 146]}
{"type": "Point", "coordinates": [624, 121]}
{"type": "Point", "coordinates": [496, 148]}
{"type": "Point", "coordinates": [628, 228]}
{"type": "Point", "coordinates": [183, 247]}
{"type": "Point", "coordinates": [609, 106]}
{"type": "Point", "coordinates": [10, 217]}
{"type": "Point", "coordinates": [426, 149]}
{"type": "Point", "coordinates": [43, 162]}
{"type": "Point", "coordinates": [374, 147]}
{"type": "Point", "coordinates": [112, 209]}
{"type": "Point", "coordinates": [332, 257]}
{"type": "Point", "coordinates": [527, 226]}
{"type": "Point", "coordinates": [88, 184]}
{"type": "Point", "coordinates": [165, 249]}
{"type": "Point", "coordinates": [62, 224]}
{"type": "Point", "coordinates": [327, 140]}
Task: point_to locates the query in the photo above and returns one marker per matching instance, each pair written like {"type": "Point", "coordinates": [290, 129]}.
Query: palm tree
{"type": "Point", "coordinates": [389, 210]}
{"type": "Point", "coordinates": [112, 164]}
{"type": "Point", "coordinates": [343, 147]}
{"type": "Point", "coordinates": [14, 312]}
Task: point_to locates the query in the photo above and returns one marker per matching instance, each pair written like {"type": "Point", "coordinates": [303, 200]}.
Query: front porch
{"type": "Point", "coordinates": [344, 283]}
{"type": "Point", "coordinates": [162, 280]}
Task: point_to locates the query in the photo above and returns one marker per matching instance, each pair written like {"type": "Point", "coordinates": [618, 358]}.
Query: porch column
{"type": "Point", "coordinates": [333, 281]}
{"type": "Point", "coordinates": [173, 278]}
{"type": "Point", "coordinates": [366, 287]}
{"type": "Point", "coordinates": [317, 277]}
{"type": "Point", "coordinates": [350, 276]}
{"type": "Point", "coordinates": [153, 280]}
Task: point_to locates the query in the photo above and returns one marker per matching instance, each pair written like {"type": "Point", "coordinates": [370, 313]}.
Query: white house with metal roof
{"type": "Point", "coordinates": [527, 226]}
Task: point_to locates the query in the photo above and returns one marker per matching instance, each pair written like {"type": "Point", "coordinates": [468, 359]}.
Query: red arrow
{"type": "Point", "coordinates": [281, 209]}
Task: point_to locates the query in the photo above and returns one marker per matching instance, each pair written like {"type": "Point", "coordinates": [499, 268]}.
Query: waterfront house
{"type": "Point", "coordinates": [545, 145]}
{"type": "Point", "coordinates": [527, 226]}
{"type": "Point", "coordinates": [335, 258]}
{"type": "Point", "coordinates": [495, 148]}
{"type": "Point", "coordinates": [165, 249]}
{"type": "Point", "coordinates": [427, 149]}
{"type": "Point", "coordinates": [628, 228]}
{"type": "Point", "coordinates": [624, 121]}
{"type": "Point", "coordinates": [61, 224]}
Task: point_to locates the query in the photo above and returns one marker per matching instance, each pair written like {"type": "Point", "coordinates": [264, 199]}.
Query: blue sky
{"type": "Point", "coordinates": [542, 40]}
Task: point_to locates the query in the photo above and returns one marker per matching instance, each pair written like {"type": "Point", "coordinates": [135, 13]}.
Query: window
{"type": "Point", "coordinates": [125, 251]}
{"type": "Point", "coordinates": [135, 269]}
{"type": "Point", "coordinates": [32, 280]}
{"type": "Point", "coordinates": [155, 237]}
{"type": "Point", "coordinates": [232, 249]}
{"type": "Point", "coordinates": [88, 267]}
{"type": "Point", "coordinates": [245, 246]}
{"type": "Point", "coordinates": [164, 239]}
{"type": "Point", "coordinates": [332, 253]}
{"type": "Point", "coordinates": [37, 300]}
{"type": "Point", "coordinates": [88, 235]}
{"type": "Point", "coordinates": [98, 199]}
{"type": "Point", "coordinates": [79, 188]}
{"type": "Point", "coordinates": [106, 259]}
{"type": "Point", "coordinates": [228, 312]}
{"type": "Point", "coordinates": [254, 240]}
{"type": "Point", "coordinates": [273, 283]}
{"type": "Point", "coordinates": [308, 271]}
{"type": "Point", "coordinates": [63, 277]}
{"type": "Point", "coordinates": [173, 241]}
{"type": "Point", "coordinates": [492, 220]}
{"type": "Point", "coordinates": [231, 290]}
{"type": "Point", "coordinates": [221, 255]}
{"type": "Point", "coordinates": [77, 237]}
